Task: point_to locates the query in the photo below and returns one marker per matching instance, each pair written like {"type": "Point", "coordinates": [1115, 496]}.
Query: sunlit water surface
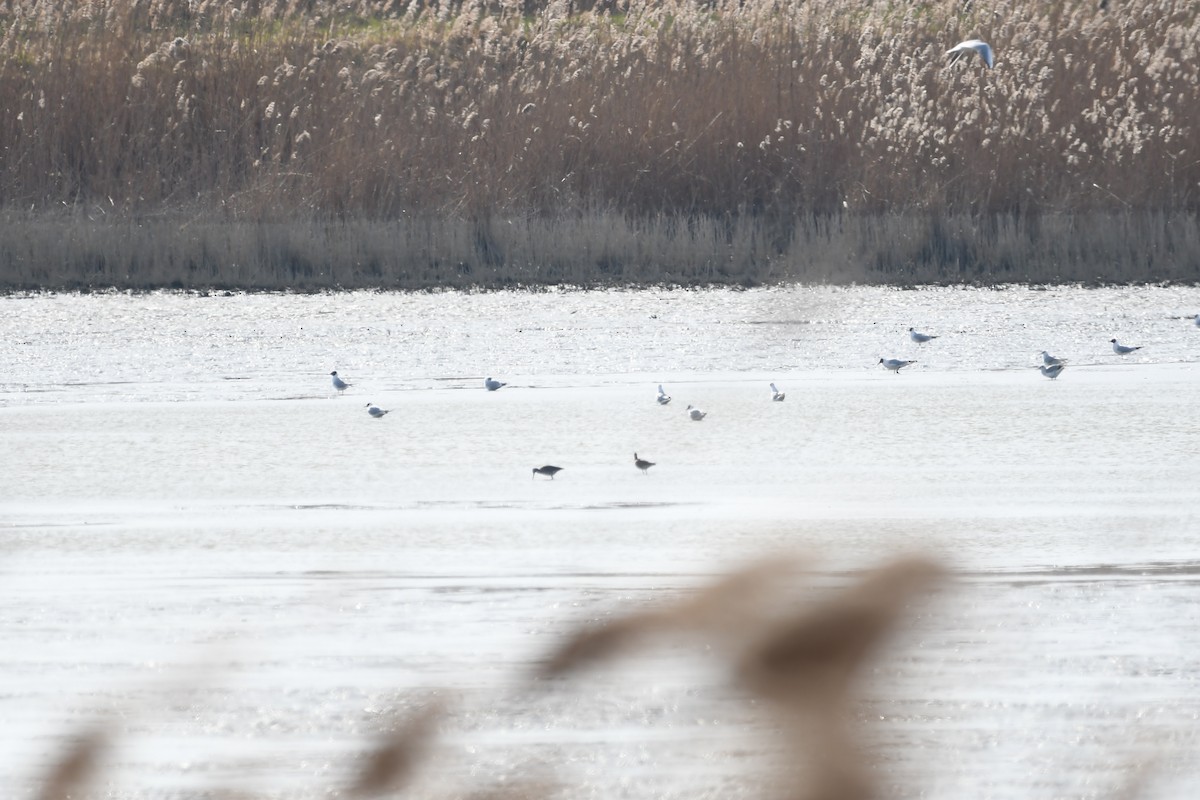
{"type": "Point", "coordinates": [245, 578]}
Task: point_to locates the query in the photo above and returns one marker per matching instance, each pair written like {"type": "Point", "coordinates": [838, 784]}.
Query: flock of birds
{"type": "Point", "coordinates": [1052, 367]}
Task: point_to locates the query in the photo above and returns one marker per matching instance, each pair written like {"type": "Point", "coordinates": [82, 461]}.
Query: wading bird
{"type": "Point", "coordinates": [1123, 349]}
{"type": "Point", "coordinates": [895, 364]}
{"type": "Point", "coordinates": [965, 49]}
{"type": "Point", "coordinates": [338, 383]}
{"type": "Point", "coordinates": [547, 470]}
{"type": "Point", "coordinates": [642, 463]}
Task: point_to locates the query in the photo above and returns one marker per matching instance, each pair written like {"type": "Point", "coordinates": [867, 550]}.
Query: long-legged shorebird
{"type": "Point", "coordinates": [642, 463]}
{"type": "Point", "coordinates": [548, 470]}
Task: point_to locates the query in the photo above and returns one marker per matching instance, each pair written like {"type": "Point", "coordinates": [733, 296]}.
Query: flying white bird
{"type": "Point", "coordinates": [548, 469]}
{"type": "Point", "coordinates": [492, 385]}
{"type": "Point", "coordinates": [918, 337]}
{"type": "Point", "coordinates": [777, 395]}
{"type": "Point", "coordinates": [895, 364]}
{"type": "Point", "coordinates": [1052, 371]}
{"type": "Point", "coordinates": [375, 412]}
{"type": "Point", "coordinates": [642, 463]}
{"type": "Point", "coordinates": [1123, 349]}
{"type": "Point", "coordinates": [663, 397]}
{"type": "Point", "coordinates": [964, 49]}
{"type": "Point", "coordinates": [1052, 361]}
{"type": "Point", "coordinates": [338, 383]}
{"type": "Point", "coordinates": [696, 413]}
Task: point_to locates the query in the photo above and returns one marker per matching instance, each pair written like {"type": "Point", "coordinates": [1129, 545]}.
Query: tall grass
{"type": "Point", "coordinates": [719, 141]}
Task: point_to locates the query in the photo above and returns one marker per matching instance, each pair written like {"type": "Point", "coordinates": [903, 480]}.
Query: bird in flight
{"type": "Point", "coordinates": [965, 49]}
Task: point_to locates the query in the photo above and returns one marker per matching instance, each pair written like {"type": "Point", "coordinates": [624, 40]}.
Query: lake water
{"type": "Point", "coordinates": [245, 578]}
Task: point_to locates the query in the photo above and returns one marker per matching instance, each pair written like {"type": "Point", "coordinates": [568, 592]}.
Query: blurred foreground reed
{"type": "Point", "coordinates": [794, 653]}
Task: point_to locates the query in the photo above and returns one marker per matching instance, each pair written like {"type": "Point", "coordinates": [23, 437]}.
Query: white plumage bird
{"type": "Point", "coordinates": [1052, 361]}
{"type": "Point", "coordinates": [777, 395]}
{"type": "Point", "coordinates": [492, 385]}
{"type": "Point", "coordinates": [338, 383]}
{"type": "Point", "coordinates": [696, 414]}
{"type": "Point", "coordinates": [663, 397]}
{"type": "Point", "coordinates": [1124, 349]}
{"type": "Point", "coordinates": [1053, 371]}
{"type": "Point", "coordinates": [895, 364]}
{"type": "Point", "coordinates": [965, 49]}
{"type": "Point", "coordinates": [376, 412]}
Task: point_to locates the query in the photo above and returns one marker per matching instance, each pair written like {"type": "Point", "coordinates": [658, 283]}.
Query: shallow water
{"type": "Point", "coordinates": [248, 578]}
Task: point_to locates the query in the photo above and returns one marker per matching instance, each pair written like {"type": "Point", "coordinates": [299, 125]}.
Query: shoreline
{"type": "Point", "coordinates": [604, 250]}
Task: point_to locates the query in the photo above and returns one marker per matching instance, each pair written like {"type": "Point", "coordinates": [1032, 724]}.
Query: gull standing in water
{"type": "Point", "coordinates": [895, 364]}
{"type": "Point", "coordinates": [338, 383]}
{"type": "Point", "coordinates": [1052, 361]}
{"type": "Point", "coordinates": [663, 397]}
{"type": "Point", "coordinates": [777, 395]}
{"type": "Point", "coordinates": [1053, 371]}
{"type": "Point", "coordinates": [965, 49]}
{"type": "Point", "coordinates": [1123, 349]}
{"type": "Point", "coordinates": [492, 385]}
{"type": "Point", "coordinates": [696, 413]}
{"type": "Point", "coordinates": [548, 469]}
{"type": "Point", "coordinates": [377, 413]}
{"type": "Point", "coordinates": [918, 337]}
{"type": "Point", "coordinates": [642, 463]}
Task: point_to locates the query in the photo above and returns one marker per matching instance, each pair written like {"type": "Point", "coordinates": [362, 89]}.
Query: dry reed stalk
{"type": "Point", "coordinates": [392, 764]}
{"type": "Point", "coordinates": [804, 667]}
{"type": "Point", "coordinates": [724, 611]}
{"type": "Point", "coordinates": [73, 773]}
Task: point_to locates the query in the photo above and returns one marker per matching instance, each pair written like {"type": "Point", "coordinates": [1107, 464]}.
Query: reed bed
{"type": "Point", "coordinates": [162, 142]}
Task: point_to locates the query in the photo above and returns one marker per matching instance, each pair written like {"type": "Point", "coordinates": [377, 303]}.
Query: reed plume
{"type": "Point", "coordinates": [392, 763]}
{"type": "Point", "coordinates": [75, 770]}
